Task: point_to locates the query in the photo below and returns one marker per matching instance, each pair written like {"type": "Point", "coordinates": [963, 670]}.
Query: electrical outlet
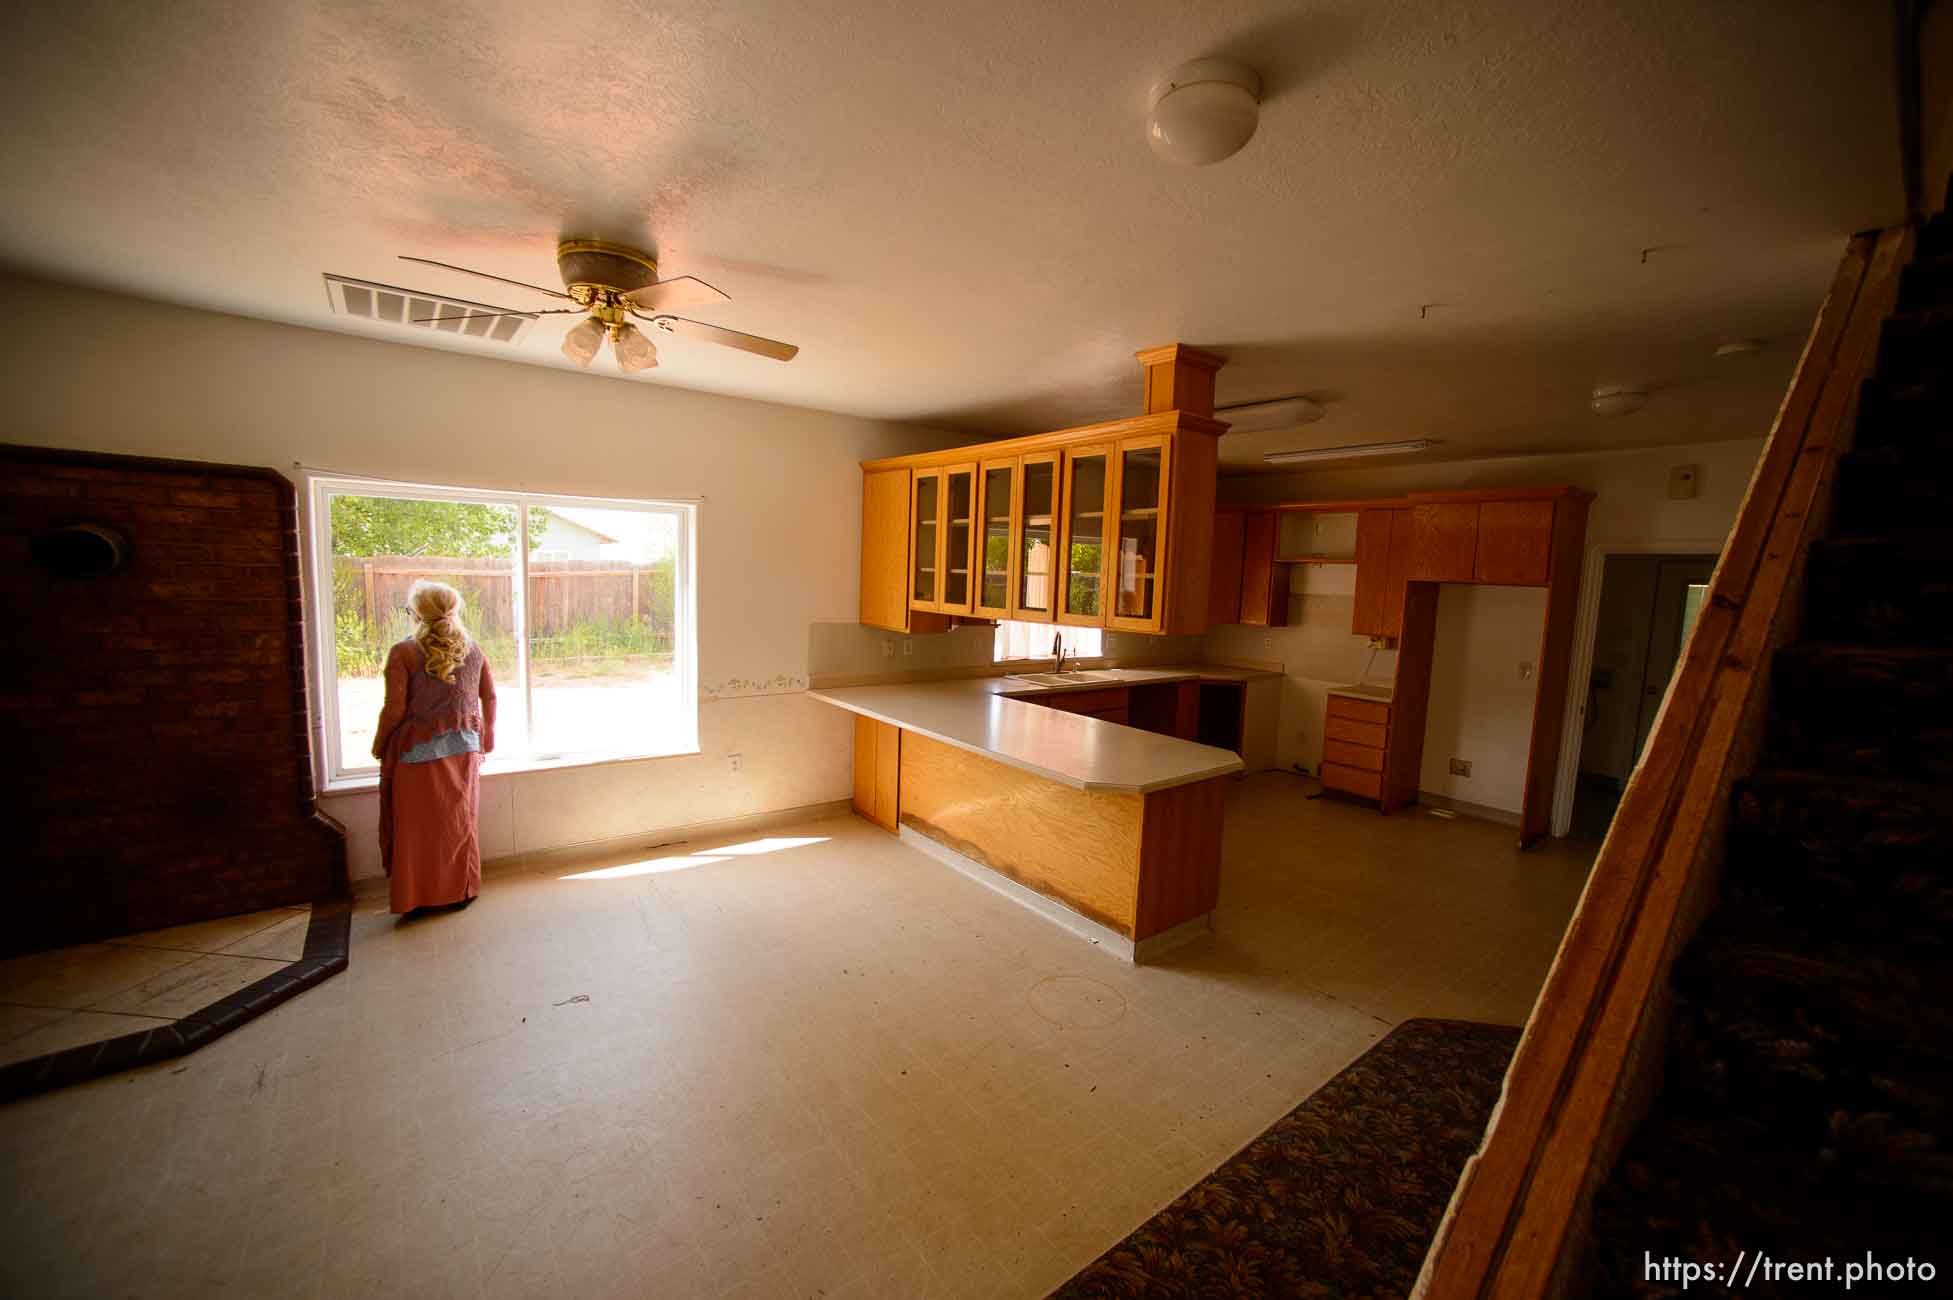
{"type": "Point", "coordinates": [1461, 767]}
{"type": "Point", "coordinates": [888, 649]}
{"type": "Point", "coordinates": [736, 761]}
{"type": "Point", "coordinates": [1267, 643]}
{"type": "Point", "coordinates": [1525, 670]}
{"type": "Point", "coordinates": [908, 646]}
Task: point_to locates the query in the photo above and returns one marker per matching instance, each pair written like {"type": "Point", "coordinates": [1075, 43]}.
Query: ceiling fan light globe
{"type": "Point", "coordinates": [634, 351]}
{"type": "Point", "coordinates": [584, 341]}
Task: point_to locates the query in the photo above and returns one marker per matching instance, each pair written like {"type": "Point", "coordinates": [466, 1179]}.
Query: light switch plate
{"type": "Point", "coordinates": [1461, 767]}
{"type": "Point", "coordinates": [1683, 482]}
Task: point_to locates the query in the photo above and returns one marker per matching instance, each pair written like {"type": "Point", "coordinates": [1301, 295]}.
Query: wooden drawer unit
{"type": "Point", "coordinates": [1371, 734]}
{"type": "Point", "coordinates": [1353, 780]}
{"type": "Point", "coordinates": [1342, 706]}
{"type": "Point", "coordinates": [1355, 746]}
{"type": "Point", "coordinates": [1345, 754]}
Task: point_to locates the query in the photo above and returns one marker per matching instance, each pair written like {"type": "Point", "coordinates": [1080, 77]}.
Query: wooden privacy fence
{"type": "Point", "coordinates": [562, 593]}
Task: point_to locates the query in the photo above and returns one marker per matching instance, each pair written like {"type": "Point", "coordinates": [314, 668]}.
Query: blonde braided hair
{"type": "Point", "coordinates": [443, 640]}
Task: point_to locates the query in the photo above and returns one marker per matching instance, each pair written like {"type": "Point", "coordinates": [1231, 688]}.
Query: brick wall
{"type": "Point", "coordinates": [153, 722]}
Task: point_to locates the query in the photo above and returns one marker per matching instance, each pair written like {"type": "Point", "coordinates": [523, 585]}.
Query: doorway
{"type": "Point", "coordinates": [1648, 605]}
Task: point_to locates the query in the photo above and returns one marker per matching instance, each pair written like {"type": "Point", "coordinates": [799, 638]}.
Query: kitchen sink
{"type": "Point", "coordinates": [1079, 678]}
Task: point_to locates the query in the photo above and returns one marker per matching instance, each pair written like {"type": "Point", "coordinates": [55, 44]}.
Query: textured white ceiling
{"type": "Point", "coordinates": [953, 211]}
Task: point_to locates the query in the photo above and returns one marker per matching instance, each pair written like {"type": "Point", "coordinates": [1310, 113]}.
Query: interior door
{"type": "Point", "coordinates": [1680, 587]}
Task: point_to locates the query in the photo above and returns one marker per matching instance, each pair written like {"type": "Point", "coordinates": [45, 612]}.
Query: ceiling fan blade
{"type": "Point", "coordinates": [449, 266]}
{"type": "Point", "coordinates": [678, 291]}
{"type": "Point", "coordinates": [724, 337]}
{"type": "Point", "coordinates": [484, 315]}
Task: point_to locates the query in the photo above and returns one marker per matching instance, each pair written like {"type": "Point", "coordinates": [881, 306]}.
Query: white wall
{"type": "Point", "coordinates": [1475, 685]}
{"type": "Point", "coordinates": [778, 531]}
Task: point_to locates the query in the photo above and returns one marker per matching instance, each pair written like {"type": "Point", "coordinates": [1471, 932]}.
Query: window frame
{"type": "Point", "coordinates": [319, 486]}
{"type": "Point", "coordinates": [1097, 659]}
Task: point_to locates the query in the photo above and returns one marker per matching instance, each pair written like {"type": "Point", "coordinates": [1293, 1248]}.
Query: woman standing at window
{"type": "Point", "coordinates": [437, 722]}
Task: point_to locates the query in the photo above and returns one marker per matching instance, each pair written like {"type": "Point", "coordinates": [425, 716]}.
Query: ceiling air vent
{"type": "Point", "coordinates": [417, 309]}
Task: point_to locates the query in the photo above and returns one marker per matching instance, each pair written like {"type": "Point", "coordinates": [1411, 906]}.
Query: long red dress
{"type": "Point", "coordinates": [430, 741]}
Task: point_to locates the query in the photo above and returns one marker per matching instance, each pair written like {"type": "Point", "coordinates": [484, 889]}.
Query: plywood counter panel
{"type": "Point", "coordinates": [1080, 847]}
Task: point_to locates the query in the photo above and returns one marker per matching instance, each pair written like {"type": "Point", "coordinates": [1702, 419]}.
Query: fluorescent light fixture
{"type": "Point", "coordinates": [1276, 413]}
{"type": "Point", "coordinates": [1344, 453]}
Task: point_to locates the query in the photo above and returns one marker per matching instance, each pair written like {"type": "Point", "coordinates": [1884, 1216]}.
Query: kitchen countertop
{"type": "Point", "coordinates": [1364, 691]}
{"type": "Point", "coordinates": [990, 717]}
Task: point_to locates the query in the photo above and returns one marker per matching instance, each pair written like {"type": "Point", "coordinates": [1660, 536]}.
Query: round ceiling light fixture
{"type": "Point", "coordinates": [1619, 399]}
{"type": "Point", "coordinates": [1739, 347]}
{"type": "Point", "coordinates": [1204, 111]}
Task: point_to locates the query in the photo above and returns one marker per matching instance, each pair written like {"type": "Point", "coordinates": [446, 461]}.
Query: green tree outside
{"type": "Point", "coordinates": [397, 526]}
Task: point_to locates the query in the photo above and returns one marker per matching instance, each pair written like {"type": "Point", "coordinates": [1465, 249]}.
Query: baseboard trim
{"type": "Point", "coordinates": [1466, 808]}
{"type": "Point", "coordinates": [638, 841]}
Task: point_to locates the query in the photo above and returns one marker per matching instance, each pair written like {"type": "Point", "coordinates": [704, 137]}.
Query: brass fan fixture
{"type": "Point", "coordinates": [611, 283]}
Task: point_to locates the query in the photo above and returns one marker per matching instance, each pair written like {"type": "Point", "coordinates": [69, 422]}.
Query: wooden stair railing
{"type": "Point", "coordinates": [1591, 1054]}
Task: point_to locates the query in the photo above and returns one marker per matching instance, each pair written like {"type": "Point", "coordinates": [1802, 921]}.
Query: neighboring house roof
{"type": "Point", "coordinates": [558, 515]}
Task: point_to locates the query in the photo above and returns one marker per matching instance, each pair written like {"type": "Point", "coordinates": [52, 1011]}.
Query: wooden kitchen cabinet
{"type": "Point", "coordinates": [942, 514]}
{"type": "Point", "coordinates": [1264, 583]}
{"type": "Point", "coordinates": [885, 555]}
{"type": "Point", "coordinates": [1383, 545]}
{"type": "Point", "coordinates": [1224, 580]}
{"type": "Point", "coordinates": [1444, 542]}
{"type": "Point", "coordinates": [1138, 503]}
{"type": "Point", "coordinates": [1515, 543]}
{"type": "Point", "coordinates": [926, 540]}
{"type": "Point", "coordinates": [998, 510]}
{"type": "Point", "coordinates": [1035, 528]}
{"type": "Point", "coordinates": [1372, 572]}
{"type": "Point", "coordinates": [1082, 554]}
{"type": "Point", "coordinates": [1108, 525]}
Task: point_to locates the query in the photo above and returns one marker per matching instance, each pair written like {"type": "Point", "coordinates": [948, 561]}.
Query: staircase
{"type": "Point", "coordinates": [1806, 1109]}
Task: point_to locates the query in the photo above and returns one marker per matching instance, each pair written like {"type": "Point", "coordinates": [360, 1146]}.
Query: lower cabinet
{"type": "Point", "coordinates": [877, 768]}
{"type": "Point", "coordinates": [1355, 746]}
{"type": "Point", "coordinates": [1165, 708]}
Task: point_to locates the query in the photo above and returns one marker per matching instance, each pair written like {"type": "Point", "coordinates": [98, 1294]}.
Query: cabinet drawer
{"type": "Point", "coordinates": [1369, 734]}
{"type": "Point", "coordinates": [1341, 706]}
{"type": "Point", "coordinates": [1344, 754]}
{"type": "Point", "coordinates": [1352, 780]}
{"type": "Point", "coordinates": [1085, 701]}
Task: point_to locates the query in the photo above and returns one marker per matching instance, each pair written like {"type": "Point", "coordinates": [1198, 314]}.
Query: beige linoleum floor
{"type": "Point", "coordinates": [82, 994]}
{"type": "Point", "coordinates": [831, 1068]}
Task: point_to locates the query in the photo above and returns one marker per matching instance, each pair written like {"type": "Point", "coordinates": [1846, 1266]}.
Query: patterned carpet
{"type": "Point", "coordinates": [1340, 1198]}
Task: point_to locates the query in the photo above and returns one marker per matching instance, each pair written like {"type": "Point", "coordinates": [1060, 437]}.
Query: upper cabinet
{"type": "Point", "coordinates": [1515, 543]}
{"type": "Point", "coordinates": [1111, 525]}
{"type": "Point", "coordinates": [1264, 580]}
{"type": "Point", "coordinates": [1444, 542]}
{"type": "Point", "coordinates": [997, 511]}
{"type": "Point", "coordinates": [1224, 581]}
{"type": "Point", "coordinates": [887, 542]}
{"type": "Point", "coordinates": [1035, 528]}
{"type": "Point", "coordinates": [1139, 479]}
{"type": "Point", "coordinates": [1383, 543]}
{"type": "Point", "coordinates": [1081, 589]}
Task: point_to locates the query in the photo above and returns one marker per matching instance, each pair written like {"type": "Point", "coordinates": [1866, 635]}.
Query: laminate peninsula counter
{"type": "Point", "coordinates": [998, 777]}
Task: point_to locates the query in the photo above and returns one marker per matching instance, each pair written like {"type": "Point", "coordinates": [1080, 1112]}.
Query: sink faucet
{"type": "Point", "coordinates": [1058, 651]}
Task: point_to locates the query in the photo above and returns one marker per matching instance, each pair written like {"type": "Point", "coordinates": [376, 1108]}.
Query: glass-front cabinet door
{"type": "Point", "coordinates": [1081, 596]}
{"type": "Point", "coordinates": [1035, 550]}
{"type": "Point", "coordinates": [1139, 478]}
{"type": "Point", "coordinates": [926, 539]}
{"type": "Point", "coordinates": [997, 512]}
{"type": "Point", "coordinates": [959, 538]}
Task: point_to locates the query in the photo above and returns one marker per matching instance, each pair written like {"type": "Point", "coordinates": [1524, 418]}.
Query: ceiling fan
{"type": "Point", "coordinates": [610, 284]}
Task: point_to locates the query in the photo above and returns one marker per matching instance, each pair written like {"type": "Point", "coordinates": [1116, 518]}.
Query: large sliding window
{"type": "Point", "coordinates": [584, 608]}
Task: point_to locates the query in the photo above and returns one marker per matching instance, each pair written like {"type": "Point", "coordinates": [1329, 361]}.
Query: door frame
{"type": "Point", "coordinates": [1586, 626]}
